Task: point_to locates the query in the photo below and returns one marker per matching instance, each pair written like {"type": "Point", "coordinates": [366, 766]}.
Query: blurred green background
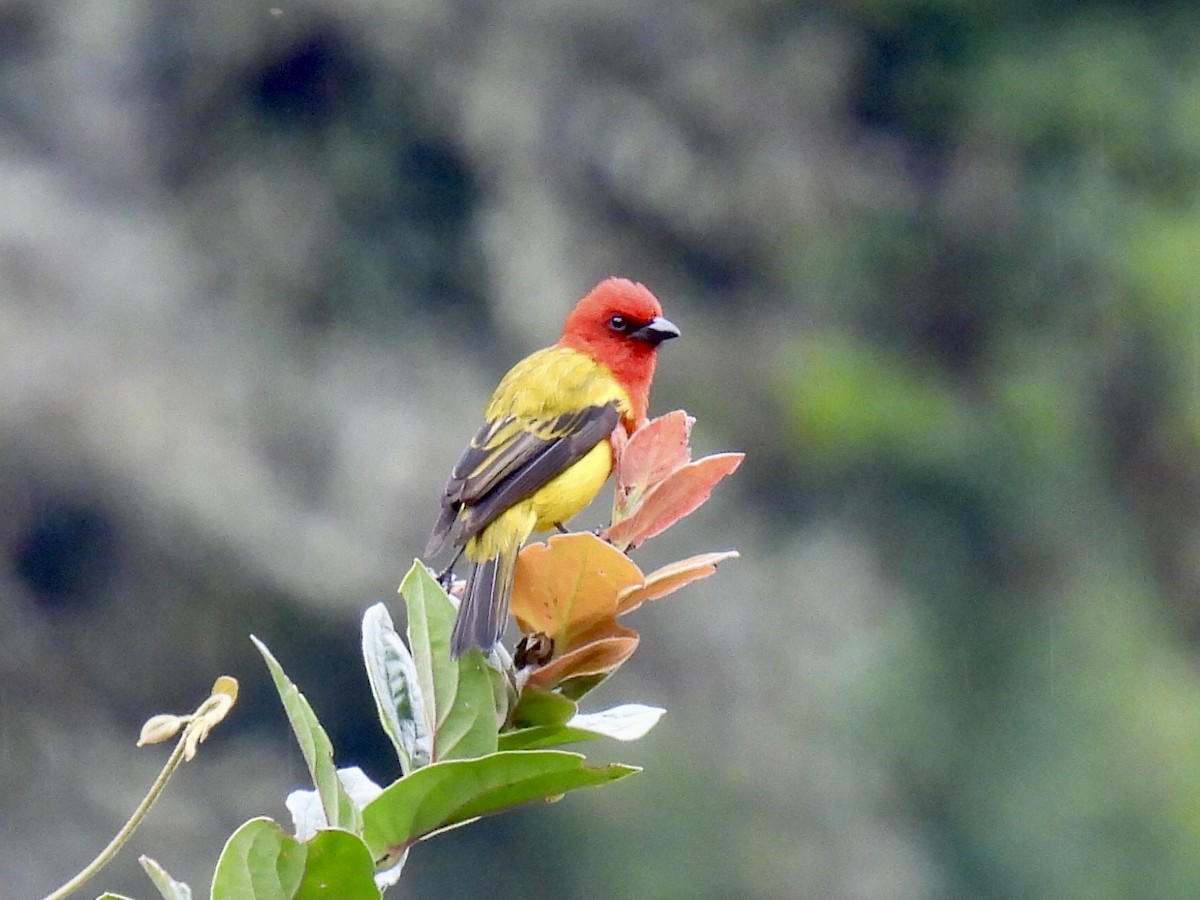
{"type": "Point", "coordinates": [936, 265]}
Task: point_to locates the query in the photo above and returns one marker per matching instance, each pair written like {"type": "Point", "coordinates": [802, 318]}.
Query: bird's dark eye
{"type": "Point", "coordinates": [618, 323]}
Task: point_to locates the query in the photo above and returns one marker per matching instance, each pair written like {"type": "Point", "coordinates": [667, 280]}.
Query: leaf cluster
{"type": "Point", "coordinates": [478, 734]}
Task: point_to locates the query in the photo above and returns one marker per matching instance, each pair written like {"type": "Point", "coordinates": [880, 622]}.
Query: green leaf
{"type": "Point", "coordinates": [456, 694]}
{"type": "Point", "coordinates": [261, 861]}
{"type": "Point", "coordinates": [452, 792]}
{"type": "Point", "coordinates": [539, 720]}
{"type": "Point", "coordinates": [504, 692]}
{"type": "Point", "coordinates": [537, 737]}
{"type": "Point", "coordinates": [340, 811]}
{"type": "Point", "coordinates": [109, 895]}
{"type": "Point", "coordinates": [392, 673]}
{"type": "Point", "coordinates": [167, 886]}
{"type": "Point", "coordinates": [576, 688]}
{"type": "Point", "coordinates": [338, 867]}
{"type": "Point", "coordinates": [542, 708]}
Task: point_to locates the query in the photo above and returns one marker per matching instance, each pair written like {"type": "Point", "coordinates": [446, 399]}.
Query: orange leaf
{"type": "Point", "coordinates": [671, 578]}
{"type": "Point", "coordinates": [652, 453]}
{"type": "Point", "coordinates": [600, 654]}
{"type": "Point", "coordinates": [568, 585]}
{"type": "Point", "coordinates": [671, 499]}
{"type": "Point", "coordinates": [618, 440]}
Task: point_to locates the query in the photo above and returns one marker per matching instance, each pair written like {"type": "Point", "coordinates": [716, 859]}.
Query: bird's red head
{"type": "Point", "coordinates": [620, 324]}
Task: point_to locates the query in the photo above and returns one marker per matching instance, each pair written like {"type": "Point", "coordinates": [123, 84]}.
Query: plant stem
{"type": "Point", "coordinates": [105, 856]}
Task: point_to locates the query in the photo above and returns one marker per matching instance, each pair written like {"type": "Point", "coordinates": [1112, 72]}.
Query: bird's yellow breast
{"type": "Point", "coordinates": [567, 494]}
{"type": "Point", "coordinates": [556, 503]}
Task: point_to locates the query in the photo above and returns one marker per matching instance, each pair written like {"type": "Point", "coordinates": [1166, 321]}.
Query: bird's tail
{"type": "Point", "coordinates": [483, 612]}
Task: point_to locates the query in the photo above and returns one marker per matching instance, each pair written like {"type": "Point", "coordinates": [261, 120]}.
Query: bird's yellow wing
{"type": "Point", "coordinates": [509, 460]}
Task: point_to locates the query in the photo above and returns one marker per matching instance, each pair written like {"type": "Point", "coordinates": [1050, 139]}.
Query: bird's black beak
{"type": "Point", "coordinates": [656, 331]}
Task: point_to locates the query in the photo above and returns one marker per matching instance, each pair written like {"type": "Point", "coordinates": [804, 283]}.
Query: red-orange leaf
{"type": "Point", "coordinates": [618, 440]}
{"type": "Point", "coordinates": [671, 499]}
{"type": "Point", "coordinates": [568, 585]}
{"type": "Point", "coordinates": [671, 578]}
{"type": "Point", "coordinates": [600, 653]}
{"type": "Point", "coordinates": [653, 452]}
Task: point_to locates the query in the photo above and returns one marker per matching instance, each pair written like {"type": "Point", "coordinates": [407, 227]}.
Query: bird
{"type": "Point", "coordinates": [544, 449]}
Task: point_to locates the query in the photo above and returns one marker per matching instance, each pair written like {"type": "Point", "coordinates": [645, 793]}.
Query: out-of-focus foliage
{"type": "Point", "coordinates": [935, 265]}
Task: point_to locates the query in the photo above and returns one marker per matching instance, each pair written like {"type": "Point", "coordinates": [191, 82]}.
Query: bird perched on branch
{"type": "Point", "coordinates": [543, 452]}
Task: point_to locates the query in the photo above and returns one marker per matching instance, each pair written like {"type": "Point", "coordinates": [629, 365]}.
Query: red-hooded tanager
{"type": "Point", "coordinates": [543, 452]}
